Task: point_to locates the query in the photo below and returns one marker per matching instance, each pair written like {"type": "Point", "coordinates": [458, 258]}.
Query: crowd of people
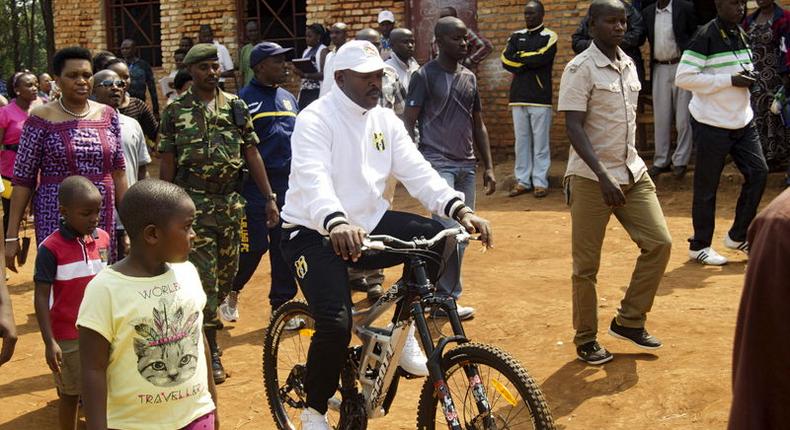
{"type": "Point", "coordinates": [135, 276]}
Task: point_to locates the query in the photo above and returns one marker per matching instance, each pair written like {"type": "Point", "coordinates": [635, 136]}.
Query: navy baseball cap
{"type": "Point", "coordinates": [265, 50]}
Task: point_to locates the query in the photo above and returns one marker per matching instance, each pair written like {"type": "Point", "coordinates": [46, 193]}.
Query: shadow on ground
{"type": "Point", "coordinates": [691, 275]}
{"type": "Point", "coordinates": [576, 382]}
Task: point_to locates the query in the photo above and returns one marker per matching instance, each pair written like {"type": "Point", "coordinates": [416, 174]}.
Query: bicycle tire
{"type": "Point", "coordinates": [497, 359]}
{"type": "Point", "coordinates": [269, 360]}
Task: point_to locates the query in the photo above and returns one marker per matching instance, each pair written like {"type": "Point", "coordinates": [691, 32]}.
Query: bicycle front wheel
{"type": "Point", "coordinates": [516, 402]}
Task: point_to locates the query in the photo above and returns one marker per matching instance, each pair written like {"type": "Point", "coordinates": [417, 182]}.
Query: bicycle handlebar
{"type": "Point", "coordinates": [383, 242]}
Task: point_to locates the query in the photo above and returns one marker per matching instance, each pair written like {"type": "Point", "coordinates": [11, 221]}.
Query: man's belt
{"type": "Point", "coordinates": [668, 62]}
{"type": "Point", "coordinates": [194, 182]}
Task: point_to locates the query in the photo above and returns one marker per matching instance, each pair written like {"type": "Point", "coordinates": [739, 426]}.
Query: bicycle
{"type": "Point", "coordinates": [495, 390]}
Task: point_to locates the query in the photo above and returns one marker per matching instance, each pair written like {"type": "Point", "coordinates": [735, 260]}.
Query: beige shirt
{"type": "Point", "coordinates": [608, 92]}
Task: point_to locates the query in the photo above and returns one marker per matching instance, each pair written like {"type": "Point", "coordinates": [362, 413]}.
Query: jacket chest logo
{"type": "Point", "coordinates": [378, 141]}
{"type": "Point", "coordinates": [287, 105]}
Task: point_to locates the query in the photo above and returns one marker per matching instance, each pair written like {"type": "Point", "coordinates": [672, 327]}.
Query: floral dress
{"type": "Point", "coordinates": [50, 152]}
{"type": "Point", "coordinates": [767, 58]}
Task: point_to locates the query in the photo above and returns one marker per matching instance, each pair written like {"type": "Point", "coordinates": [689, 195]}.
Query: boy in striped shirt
{"type": "Point", "coordinates": [717, 68]}
{"type": "Point", "coordinates": [66, 261]}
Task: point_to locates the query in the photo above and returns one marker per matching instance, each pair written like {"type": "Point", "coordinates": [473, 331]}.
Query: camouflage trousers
{"type": "Point", "coordinates": [215, 252]}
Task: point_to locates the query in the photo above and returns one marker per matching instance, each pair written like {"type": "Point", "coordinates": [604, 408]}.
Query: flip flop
{"type": "Point", "coordinates": [518, 190]}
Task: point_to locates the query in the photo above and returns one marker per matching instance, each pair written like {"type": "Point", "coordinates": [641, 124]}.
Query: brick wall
{"type": "Point", "coordinates": [358, 14]}
{"type": "Point", "coordinates": [83, 23]}
{"type": "Point", "coordinates": [497, 19]}
{"type": "Point", "coordinates": [79, 23]}
{"type": "Point", "coordinates": [184, 17]}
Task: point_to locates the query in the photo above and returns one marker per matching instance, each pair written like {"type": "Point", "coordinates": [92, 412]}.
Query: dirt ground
{"type": "Point", "coordinates": [521, 290]}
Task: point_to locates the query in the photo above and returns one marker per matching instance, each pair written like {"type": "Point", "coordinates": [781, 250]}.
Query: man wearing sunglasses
{"type": "Point", "coordinates": [108, 89]}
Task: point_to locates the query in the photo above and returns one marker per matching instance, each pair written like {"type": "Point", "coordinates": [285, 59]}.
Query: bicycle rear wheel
{"type": "Point", "coordinates": [285, 347]}
{"type": "Point", "coordinates": [515, 400]}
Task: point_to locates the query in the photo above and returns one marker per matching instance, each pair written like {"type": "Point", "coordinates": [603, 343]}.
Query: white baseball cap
{"type": "Point", "coordinates": [358, 55]}
{"type": "Point", "coordinates": [386, 15]}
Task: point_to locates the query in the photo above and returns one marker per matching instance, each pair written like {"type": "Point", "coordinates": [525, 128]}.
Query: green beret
{"type": "Point", "coordinates": [201, 52]}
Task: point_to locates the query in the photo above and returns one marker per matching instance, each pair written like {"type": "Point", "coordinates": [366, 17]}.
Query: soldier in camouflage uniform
{"type": "Point", "coordinates": [206, 136]}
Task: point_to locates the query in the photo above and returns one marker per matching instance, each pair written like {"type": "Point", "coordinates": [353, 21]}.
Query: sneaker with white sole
{"type": "Point", "coordinates": [229, 310]}
{"type": "Point", "coordinates": [707, 256]}
{"type": "Point", "coordinates": [412, 360]}
{"type": "Point", "coordinates": [314, 420]}
{"type": "Point", "coordinates": [464, 312]}
{"type": "Point", "coordinates": [593, 353]}
{"type": "Point", "coordinates": [734, 244]}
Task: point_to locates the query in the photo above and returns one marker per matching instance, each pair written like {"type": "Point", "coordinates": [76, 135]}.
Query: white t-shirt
{"type": "Point", "coordinates": [329, 74]}
{"type": "Point", "coordinates": [135, 152]}
{"type": "Point", "coordinates": [157, 374]}
{"type": "Point", "coordinates": [225, 60]}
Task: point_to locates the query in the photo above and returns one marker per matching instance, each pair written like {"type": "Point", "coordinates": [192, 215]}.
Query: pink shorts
{"type": "Point", "coordinates": [206, 422]}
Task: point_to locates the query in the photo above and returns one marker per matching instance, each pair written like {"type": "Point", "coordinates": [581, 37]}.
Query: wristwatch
{"type": "Point", "coordinates": [272, 197]}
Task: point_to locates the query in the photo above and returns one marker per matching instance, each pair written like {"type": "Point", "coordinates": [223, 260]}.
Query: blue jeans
{"type": "Point", "coordinates": [531, 125]}
{"type": "Point", "coordinates": [461, 179]}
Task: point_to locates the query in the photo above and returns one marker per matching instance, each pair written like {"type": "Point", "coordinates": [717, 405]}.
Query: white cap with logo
{"type": "Point", "coordinates": [386, 15]}
{"type": "Point", "coordinates": [360, 56]}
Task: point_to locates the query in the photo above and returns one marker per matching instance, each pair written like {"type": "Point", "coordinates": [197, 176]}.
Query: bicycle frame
{"type": "Point", "coordinates": [381, 349]}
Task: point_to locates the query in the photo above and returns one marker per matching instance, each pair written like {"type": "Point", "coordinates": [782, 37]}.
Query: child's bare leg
{"type": "Point", "coordinates": [67, 411]}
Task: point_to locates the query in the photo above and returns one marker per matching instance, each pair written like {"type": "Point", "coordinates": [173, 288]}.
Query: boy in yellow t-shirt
{"type": "Point", "coordinates": [143, 353]}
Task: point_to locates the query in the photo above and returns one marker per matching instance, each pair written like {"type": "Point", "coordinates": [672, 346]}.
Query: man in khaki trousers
{"type": "Point", "coordinates": [605, 176]}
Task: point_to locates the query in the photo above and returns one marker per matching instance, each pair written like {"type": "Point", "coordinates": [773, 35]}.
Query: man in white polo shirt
{"type": "Point", "coordinates": [344, 148]}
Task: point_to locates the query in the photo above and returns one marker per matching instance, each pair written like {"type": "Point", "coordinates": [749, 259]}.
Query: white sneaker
{"type": "Point", "coordinates": [229, 310]}
{"type": "Point", "coordinates": [314, 420]}
{"type": "Point", "coordinates": [707, 256]}
{"type": "Point", "coordinates": [464, 312]}
{"type": "Point", "coordinates": [295, 323]}
{"type": "Point", "coordinates": [412, 360]}
{"type": "Point", "coordinates": [738, 246]}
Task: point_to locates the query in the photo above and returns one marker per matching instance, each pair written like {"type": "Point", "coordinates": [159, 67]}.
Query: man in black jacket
{"type": "Point", "coordinates": [670, 26]}
{"type": "Point", "coordinates": [634, 38]}
{"type": "Point", "coordinates": [529, 56]}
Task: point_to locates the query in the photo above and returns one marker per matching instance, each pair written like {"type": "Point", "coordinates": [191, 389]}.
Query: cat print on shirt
{"type": "Point", "coordinates": [167, 349]}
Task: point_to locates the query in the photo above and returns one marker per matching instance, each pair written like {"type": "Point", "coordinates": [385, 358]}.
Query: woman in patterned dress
{"type": "Point", "coordinates": [767, 28]}
{"type": "Point", "coordinates": [70, 136]}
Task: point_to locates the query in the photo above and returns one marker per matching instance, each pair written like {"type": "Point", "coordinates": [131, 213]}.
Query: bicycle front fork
{"type": "Point", "coordinates": [436, 373]}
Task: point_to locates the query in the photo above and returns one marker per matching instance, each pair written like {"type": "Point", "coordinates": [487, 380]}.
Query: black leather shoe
{"type": "Point", "coordinates": [679, 172]}
{"type": "Point", "coordinates": [639, 336]}
{"type": "Point", "coordinates": [217, 371]}
{"type": "Point", "coordinates": [593, 353]}
{"type": "Point", "coordinates": [654, 171]}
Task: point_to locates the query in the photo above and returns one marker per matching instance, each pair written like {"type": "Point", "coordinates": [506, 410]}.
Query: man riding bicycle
{"type": "Point", "coordinates": [344, 149]}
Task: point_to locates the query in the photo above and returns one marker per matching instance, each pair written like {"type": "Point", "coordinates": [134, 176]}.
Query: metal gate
{"type": "Point", "coordinates": [281, 21]}
{"type": "Point", "coordinates": [138, 20]}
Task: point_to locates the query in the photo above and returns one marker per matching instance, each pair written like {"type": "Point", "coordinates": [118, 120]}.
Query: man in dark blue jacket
{"type": "Point", "coordinates": [273, 111]}
{"type": "Point", "coordinates": [529, 56]}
